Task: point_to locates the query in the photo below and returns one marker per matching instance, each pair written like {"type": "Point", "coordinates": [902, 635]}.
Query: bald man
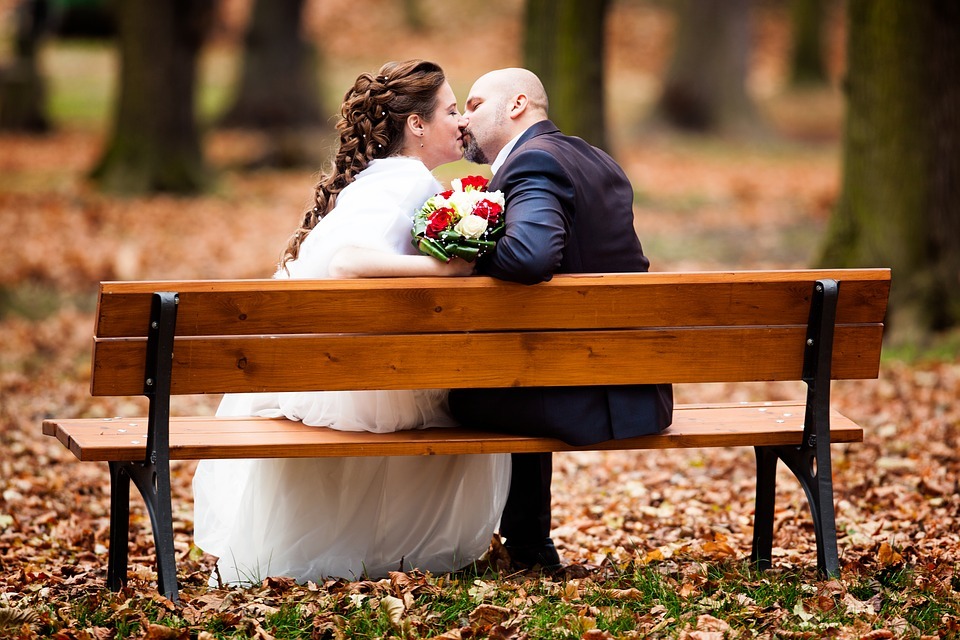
{"type": "Point", "coordinates": [569, 209]}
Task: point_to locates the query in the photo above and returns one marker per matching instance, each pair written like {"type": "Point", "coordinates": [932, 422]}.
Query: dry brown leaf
{"type": "Point", "coordinates": [489, 615]}
{"type": "Point", "coordinates": [887, 556]}
{"type": "Point", "coordinates": [161, 632]}
{"type": "Point", "coordinates": [596, 634]}
{"type": "Point", "coordinates": [624, 594]}
{"type": "Point", "coordinates": [707, 622]}
{"type": "Point", "coordinates": [393, 607]}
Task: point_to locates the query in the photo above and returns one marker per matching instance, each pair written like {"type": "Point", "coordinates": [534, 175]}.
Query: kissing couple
{"type": "Point", "coordinates": [568, 209]}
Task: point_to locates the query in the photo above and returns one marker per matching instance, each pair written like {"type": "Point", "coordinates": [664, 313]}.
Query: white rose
{"type": "Point", "coordinates": [462, 202]}
{"type": "Point", "coordinates": [471, 226]}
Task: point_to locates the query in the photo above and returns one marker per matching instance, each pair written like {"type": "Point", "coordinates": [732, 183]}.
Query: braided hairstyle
{"type": "Point", "coordinates": [372, 122]}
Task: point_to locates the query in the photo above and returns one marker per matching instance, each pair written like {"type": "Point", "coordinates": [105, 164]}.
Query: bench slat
{"type": "Point", "coordinates": [253, 307]}
{"type": "Point", "coordinates": [561, 358]}
{"type": "Point", "coordinates": [767, 424]}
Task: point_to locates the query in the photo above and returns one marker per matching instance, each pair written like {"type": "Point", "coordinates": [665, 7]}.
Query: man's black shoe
{"type": "Point", "coordinates": [528, 556]}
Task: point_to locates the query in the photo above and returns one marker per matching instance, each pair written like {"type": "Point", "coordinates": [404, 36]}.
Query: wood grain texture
{"type": "Point", "coordinates": [757, 424]}
{"type": "Point", "coordinates": [432, 305]}
{"type": "Point", "coordinates": [289, 335]}
{"type": "Point", "coordinates": [491, 359]}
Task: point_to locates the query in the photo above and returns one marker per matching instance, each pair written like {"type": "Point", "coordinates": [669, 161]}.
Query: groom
{"type": "Point", "coordinates": [569, 209]}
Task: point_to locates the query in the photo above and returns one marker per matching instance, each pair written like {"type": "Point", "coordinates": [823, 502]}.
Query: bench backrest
{"type": "Point", "coordinates": [289, 335]}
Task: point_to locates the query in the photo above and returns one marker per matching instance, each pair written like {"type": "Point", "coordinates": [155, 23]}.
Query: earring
{"type": "Point", "coordinates": [421, 141]}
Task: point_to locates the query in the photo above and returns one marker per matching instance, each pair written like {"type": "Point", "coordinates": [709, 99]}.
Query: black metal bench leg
{"type": "Point", "coordinates": [119, 525]}
{"type": "Point", "coordinates": [153, 481]}
{"type": "Point", "coordinates": [762, 554]}
{"type": "Point", "coordinates": [816, 478]}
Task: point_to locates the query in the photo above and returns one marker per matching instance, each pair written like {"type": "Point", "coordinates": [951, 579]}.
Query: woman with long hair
{"type": "Point", "coordinates": [352, 517]}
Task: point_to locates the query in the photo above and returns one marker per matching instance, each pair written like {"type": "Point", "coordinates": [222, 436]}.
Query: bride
{"type": "Point", "coordinates": [350, 517]}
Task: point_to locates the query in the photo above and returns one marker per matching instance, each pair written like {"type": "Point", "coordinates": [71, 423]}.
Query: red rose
{"type": "Point", "coordinates": [488, 210]}
{"type": "Point", "coordinates": [438, 221]}
{"type": "Point", "coordinates": [477, 182]}
{"type": "Point", "coordinates": [446, 194]}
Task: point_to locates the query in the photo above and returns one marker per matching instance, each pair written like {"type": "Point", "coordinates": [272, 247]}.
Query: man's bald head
{"type": "Point", "coordinates": [514, 81]}
{"type": "Point", "coordinates": [502, 104]}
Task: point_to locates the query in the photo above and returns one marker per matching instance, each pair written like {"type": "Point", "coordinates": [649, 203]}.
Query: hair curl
{"type": "Point", "coordinates": [371, 125]}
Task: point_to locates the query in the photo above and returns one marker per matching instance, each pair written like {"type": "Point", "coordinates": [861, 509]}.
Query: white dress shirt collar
{"type": "Point", "coordinates": [502, 156]}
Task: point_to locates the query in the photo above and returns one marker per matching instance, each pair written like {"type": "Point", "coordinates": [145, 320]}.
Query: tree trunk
{"type": "Point", "coordinates": [278, 86]}
{"type": "Point", "coordinates": [705, 89]}
{"type": "Point", "coordinates": [155, 145]}
{"type": "Point", "coordinates": [22, 88]}
{"type": "Point", "coordinates": [413, 15]}
{"type": "Point", "coordinates": [900, 203]}
{"type": "Point", "coordinates": [807, 67]}
{"type": "Point", "coordinates": [564, 46]}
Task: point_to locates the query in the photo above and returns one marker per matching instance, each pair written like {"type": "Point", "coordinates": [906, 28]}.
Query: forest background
{"type": "Point", "coordinates": [657, 540]}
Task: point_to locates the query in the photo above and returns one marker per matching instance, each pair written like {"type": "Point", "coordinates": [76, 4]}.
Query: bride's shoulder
{"type": "Point", "coordinates": [399, 175]}
{"type": "Point", "coordinates": [399, 166]}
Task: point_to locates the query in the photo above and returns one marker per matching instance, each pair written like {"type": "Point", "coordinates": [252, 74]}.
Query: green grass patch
{"type": "Point", "coordinates": [941, 347]}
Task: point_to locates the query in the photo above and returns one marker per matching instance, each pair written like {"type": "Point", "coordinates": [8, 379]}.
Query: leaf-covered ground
{"type": "Point", "coordinates": [687, 513]}
{"type": "Point", "coordinates": [655, 540]}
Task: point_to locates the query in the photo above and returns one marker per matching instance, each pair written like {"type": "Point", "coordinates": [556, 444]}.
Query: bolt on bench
{"type": "Point", "coordinates": [166, 338]}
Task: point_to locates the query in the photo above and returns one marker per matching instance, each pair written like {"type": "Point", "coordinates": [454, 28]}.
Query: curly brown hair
{"type": "Point", "coordinates": [372, 120]}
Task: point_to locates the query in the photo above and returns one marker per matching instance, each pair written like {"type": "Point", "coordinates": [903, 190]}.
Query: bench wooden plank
{"type": "Point", "coordinates": [595, 301]}
{"type": "Point", "coordinates": [727, 425]}
{"type": "Point", "coordinates": [336, 362]}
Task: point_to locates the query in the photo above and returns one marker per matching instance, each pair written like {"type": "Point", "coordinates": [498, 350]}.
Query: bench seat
{"type": "Point", "coordinates": [202, 438]}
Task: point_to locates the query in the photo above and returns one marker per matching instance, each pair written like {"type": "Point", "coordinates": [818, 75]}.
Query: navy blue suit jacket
{"type": "Point", "coordinates": [569, 209]}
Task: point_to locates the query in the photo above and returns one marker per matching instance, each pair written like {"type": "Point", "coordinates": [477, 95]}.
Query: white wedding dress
{"type": "Point", "coordinates": [312, 518]}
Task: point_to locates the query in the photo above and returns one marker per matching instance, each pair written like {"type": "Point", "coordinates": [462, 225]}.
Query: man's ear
{"type": "Point", "coordinates": [518, 106]}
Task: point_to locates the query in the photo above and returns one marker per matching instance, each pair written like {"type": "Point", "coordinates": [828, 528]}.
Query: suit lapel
{"type": "Point", "coordinates": [537, 129]}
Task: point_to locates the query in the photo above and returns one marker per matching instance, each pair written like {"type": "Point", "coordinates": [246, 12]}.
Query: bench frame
{"type": "Point", "coordinates": [809, 462]}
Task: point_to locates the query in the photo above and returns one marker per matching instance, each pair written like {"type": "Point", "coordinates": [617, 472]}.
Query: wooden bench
{"type": "Point", "coordinates": [165, 338]}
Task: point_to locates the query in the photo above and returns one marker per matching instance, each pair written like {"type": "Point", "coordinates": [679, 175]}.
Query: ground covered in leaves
{"type": "Point", "coordinates": [656, 541]}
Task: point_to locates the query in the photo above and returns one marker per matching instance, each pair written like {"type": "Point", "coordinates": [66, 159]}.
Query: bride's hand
{"type": "Point", "coordinates": [456, 267]}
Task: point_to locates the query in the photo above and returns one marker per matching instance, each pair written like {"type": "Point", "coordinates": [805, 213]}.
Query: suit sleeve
{"type": "Point", "coordinates": [538, 219]}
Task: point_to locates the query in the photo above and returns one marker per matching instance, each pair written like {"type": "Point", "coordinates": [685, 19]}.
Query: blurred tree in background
{"type": "Point", "coordinates": [279, 91]}
{"type": "Point", "coordinates": [83, 19]}
{"type": "Point", "coordinates": [413, 15]}
{"type": "Point", "coordinates": [807, 61]}
{"type": "Point", "coordinates": [564, 46]}
{"type": "Point", "coordinates": [155, 143]}
{"type": "Point", "coordinates": [22, 87]}
{"type": "Point", "coordinates": [705, 88]}
{"type": "Point", "coordinates": [900, 201]}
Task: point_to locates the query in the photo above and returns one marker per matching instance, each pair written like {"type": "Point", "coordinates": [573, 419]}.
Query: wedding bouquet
{"type": "Point", "coordinates": [464, 222]}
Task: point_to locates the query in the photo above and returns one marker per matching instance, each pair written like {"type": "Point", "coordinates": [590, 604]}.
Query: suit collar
{"type": "Point", "coordinates": [537, 129]}
{"type": "Point", "coordinates": [534, 130]}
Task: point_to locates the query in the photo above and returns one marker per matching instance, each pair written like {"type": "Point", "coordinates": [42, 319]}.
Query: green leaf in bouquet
{"type": "Point", "coordinates": [431, 247]}
{"type": "Point", "coordinates": [448, 235]}
{"type": "Point", "coordinates": [477, 243]}
{"type": "Point", "coordinates": [461, 251]}
{"type": "Point", "coordinates": [419, 227]}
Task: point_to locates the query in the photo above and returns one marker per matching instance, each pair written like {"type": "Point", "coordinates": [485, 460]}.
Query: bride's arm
{"type": "Point", "coordinates": [360, 262]}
